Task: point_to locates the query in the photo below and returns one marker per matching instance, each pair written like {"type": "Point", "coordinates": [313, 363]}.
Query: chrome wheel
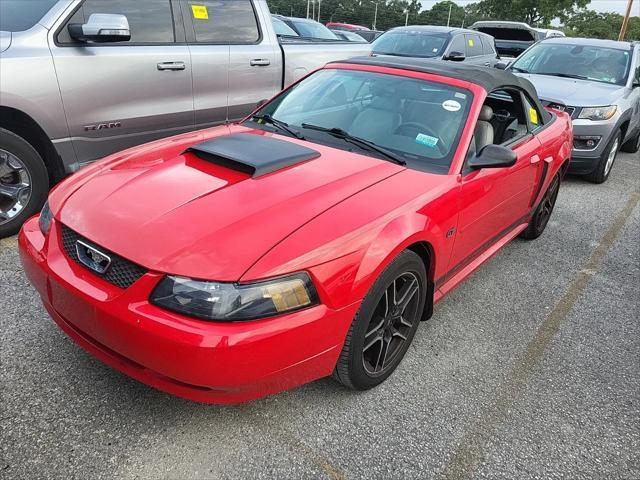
{"type": "Point", "coordinates": [15, 186]}
{"type": "Point", "coordinates": [394, 316]}
{"type": "Point", "coordinates": [612, 156]}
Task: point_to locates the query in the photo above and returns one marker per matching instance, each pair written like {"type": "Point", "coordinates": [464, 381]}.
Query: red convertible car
{"type": "Point", "coordinates": [309, 240]}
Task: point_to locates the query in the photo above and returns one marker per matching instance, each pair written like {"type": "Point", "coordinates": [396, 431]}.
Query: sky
{"type": "Point", "coordinates": [618, 6]}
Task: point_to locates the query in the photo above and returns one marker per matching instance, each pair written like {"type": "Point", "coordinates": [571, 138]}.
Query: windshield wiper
{"type": "Point", "coordinates": [521, 70]}
{"type": "Point", "coordinates": [563, 75]}
{"type": "Point", "coordinates": [360, 142]}
{"type": "Point", "coordinates": [266, 118]}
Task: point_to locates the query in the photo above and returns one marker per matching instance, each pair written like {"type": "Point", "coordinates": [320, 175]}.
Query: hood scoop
{"type": "Point", "coordinates": [256, 155]}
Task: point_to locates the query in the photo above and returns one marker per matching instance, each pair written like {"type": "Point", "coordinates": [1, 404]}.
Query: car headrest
{"type": "Point", "coordinates": [486, 114]}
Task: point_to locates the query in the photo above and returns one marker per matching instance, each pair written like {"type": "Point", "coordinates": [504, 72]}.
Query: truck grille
{"type": "Point", "coordinates": [121, 273]}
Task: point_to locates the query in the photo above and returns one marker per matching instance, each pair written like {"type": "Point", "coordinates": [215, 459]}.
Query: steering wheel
{"type": "Point", "coordinates": [504, 116]}
{"type": "Point", "coordinates": [414, 128]}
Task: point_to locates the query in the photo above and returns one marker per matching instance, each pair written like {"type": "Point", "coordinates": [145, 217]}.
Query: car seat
{"type": "Point", "coordinates": [381, 117]}
{"type": "Point", "coordinates": [484, 132]}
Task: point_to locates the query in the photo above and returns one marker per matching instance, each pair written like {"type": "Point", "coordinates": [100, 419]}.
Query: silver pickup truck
{"type": "Point", "coordinates": [80, 79]}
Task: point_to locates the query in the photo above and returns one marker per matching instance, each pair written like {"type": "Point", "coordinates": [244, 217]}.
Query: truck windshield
{"type": "Point", "coordinates": [599, 64]}
{"type": "Point", "coordinates": [410, 44]}
{"type": "Point", "coordinates": [417, 122]}
{"type": "Point", "coordinates": [20, 15]}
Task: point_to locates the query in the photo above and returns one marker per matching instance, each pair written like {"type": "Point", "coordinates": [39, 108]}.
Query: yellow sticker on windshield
{"type": "Point", "coordinates": [471, 43]}
{"type": "Point", "coordinates": [533, 116]}
{"type": "Point", "coordinates": [200, 12]}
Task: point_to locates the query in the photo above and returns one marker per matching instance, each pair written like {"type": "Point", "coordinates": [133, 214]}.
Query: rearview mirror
{"type": "Point", "coordinates": [501, 65]}
{"type": "Point", "coordinates": [101, 28]}
{"type": "Point", "coordinates": [455, 57]}
{"type": "Point", "coordinates": [493, 156]}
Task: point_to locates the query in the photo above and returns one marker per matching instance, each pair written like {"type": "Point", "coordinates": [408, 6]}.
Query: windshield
{"type": "Point", "coordinates": [282, 28]}
{"type": "Point", "coordinates": [410, 44]}
{"type": "Point", "coordinates": [600, 64]}
{"type": "Point", "coordinates": [20, 15]}
{"type": "Point", "coordinates": [313, 30]}
{"type": "Point", "coordinates": [418, 121]}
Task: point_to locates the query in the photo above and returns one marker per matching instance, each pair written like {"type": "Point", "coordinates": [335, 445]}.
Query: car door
{"type": "Point", "coordinates": [117, 95]}
{"type": "Point", "coordinates": [474, 53]}
{"type": "Point", "coordinates": [494, 201]}
{"type": "Point", "coordinates": [207, 28]}
{"type": "Point", "coordinates": [255, 60]}
{"type": "Point", "coordinates": [489, 57]}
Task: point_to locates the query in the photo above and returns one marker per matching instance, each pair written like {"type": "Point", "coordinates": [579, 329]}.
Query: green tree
{"type": "Point", "coordinates": [533, 12]}
{"type": "Point", "coordinates": [439, 14]}
{"type": "Point", "coordinates": [588, 23]}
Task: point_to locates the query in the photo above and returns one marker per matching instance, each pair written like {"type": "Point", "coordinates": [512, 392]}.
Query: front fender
{"type": "Point", "coordinates": [346, 248]}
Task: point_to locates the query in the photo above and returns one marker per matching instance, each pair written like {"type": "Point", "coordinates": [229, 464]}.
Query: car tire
{"type": "Point", "coordinates": [24, 182]}
{"type": "Point", "coordinates": [543, 211]}
{"type": "Point", "coordinates": [608, 158]}
{"type": "Point", "coordinates": [633, 144]}
{"type": "Point", "coordinates": [376, 332]}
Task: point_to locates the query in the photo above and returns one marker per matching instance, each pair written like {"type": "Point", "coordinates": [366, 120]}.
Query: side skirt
{"type": "Point", "coordinates": [472, 266]}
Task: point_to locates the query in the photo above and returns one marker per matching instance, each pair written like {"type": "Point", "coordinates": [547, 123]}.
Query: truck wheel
{"type": "Point", "coordinates": [385, 324]}
{"type": "Point", "coordinates": [24, 182]}
{"type": "Point", "coordinates": [633, 144]}
{"type": "Point", "coordinates": [602, 171]}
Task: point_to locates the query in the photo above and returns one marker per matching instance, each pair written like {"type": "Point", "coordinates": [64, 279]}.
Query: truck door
{"type": "Point", "coordinates": [117, 95]}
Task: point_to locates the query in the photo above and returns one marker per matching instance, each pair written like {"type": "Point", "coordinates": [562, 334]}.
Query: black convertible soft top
{"type": "Point", "coordinates": [488, 78]}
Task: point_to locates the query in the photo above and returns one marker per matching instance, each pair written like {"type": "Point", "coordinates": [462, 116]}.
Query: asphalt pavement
{"type": "Point", "coordinates": [530, 369]}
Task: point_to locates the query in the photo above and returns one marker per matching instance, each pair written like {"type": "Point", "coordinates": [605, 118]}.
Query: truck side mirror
{"type": "Point", "coordinates": [101, 28]}
{"type": "Point", "coordinates": [455, 57]}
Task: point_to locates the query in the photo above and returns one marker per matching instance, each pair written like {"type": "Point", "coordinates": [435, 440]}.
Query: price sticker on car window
{"type": "Point", "coordinates": [471, 44]}
{"type": "Point", "coordinates": [200, 12]}
{"type": "Point", "coordinates": [533, 115]}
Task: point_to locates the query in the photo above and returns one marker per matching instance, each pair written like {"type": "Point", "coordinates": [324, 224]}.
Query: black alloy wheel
{"type": "Point", "coordinates": [385, 324]}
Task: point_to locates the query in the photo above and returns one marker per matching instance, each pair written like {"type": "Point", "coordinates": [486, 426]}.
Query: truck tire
{"type": "Point", "coordinates": [24, 182]}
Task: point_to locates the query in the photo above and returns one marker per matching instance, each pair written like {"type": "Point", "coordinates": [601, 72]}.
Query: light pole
{"type": "Point", "coordinates": [375, 17]}
{"type": "Point", "coordinates": [449, 18]}
{"type": "Point", "coordinates": [308, 2]}
{"type": "Point", "coordinates": [406, 19]}
{"type": "Point", "coordinates": [319, 4]}
{"type": "Point", "coordinates": [625, 22]}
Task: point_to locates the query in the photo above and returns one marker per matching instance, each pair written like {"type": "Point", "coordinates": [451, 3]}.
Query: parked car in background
{"type": "Point", "coordinates": [346, 26]}
{"type": "Point", "coordinates": [598, 83]}
{"type": "Point", "coordinates": [369, 35]}
{"type": "Point", "coordinates": [349, 36]}
{"type": "Point", "coordinates": [80, 79]}
{"type": "Point", "coordinates": [308, 28]}
{"type": "Point", "coordinates": [282, 29]}
{"type": "Point", "coordinates": [445, 43]}
{"type": "Point", "coordinates": [511, 38]}
{"type": "Point", "coordinates": [549, 33]}
{"type": "Point", "coordinates": [309, 240]}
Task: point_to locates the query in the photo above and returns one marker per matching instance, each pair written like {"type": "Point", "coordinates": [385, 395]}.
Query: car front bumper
{"type": "Point", "coordinates": [209, 362]}
{"type": "Point", "coordinates": [584, 161]}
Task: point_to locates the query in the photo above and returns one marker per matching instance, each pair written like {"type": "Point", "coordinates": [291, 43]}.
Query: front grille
{"type": "Point", "coordinates": [121, 273]}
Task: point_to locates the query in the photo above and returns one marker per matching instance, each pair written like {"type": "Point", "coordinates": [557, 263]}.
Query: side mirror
{"type": "Point", "coordinates": [493, 156]}
{"type": "Point", "coordinates": [501, 65]}
{"type": "Point", "coordinates": [101, 28]}
{"type": "Point", "coordinates": [455, 57]}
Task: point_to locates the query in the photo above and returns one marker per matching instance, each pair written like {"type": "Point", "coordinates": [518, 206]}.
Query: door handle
{"type": "Point", "coordinates": [260, 62]}
{"type": "Point", "coordinates": [171, 66]}
{"type": "Point", "coordinates": [487, 64]}
{"type": "Point", "coordinates": [535, 159]}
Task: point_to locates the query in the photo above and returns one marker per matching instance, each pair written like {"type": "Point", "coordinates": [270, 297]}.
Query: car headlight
{"type": "Point", "coordinates": [45, 218]}
{"type": "Point", "coordinates": [228, 302]}
{"type": "Point", "coordinates": [598, 113]}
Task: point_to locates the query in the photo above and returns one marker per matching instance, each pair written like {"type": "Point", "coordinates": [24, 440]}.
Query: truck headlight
{"type": "Point", "coordinates": [598, 113]}
{"type": "Point", "coordinates": [44, 222]}
{"type": "Point", "coordinates": [227, 302]}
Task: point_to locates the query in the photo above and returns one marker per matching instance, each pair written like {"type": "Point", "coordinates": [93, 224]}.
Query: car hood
{"type": "Point", "coordinates": [177, 213]}
{"type": "Point", "coordinates": [5, 40]}
{"type": "Point", "coordinates": [574, 92]}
